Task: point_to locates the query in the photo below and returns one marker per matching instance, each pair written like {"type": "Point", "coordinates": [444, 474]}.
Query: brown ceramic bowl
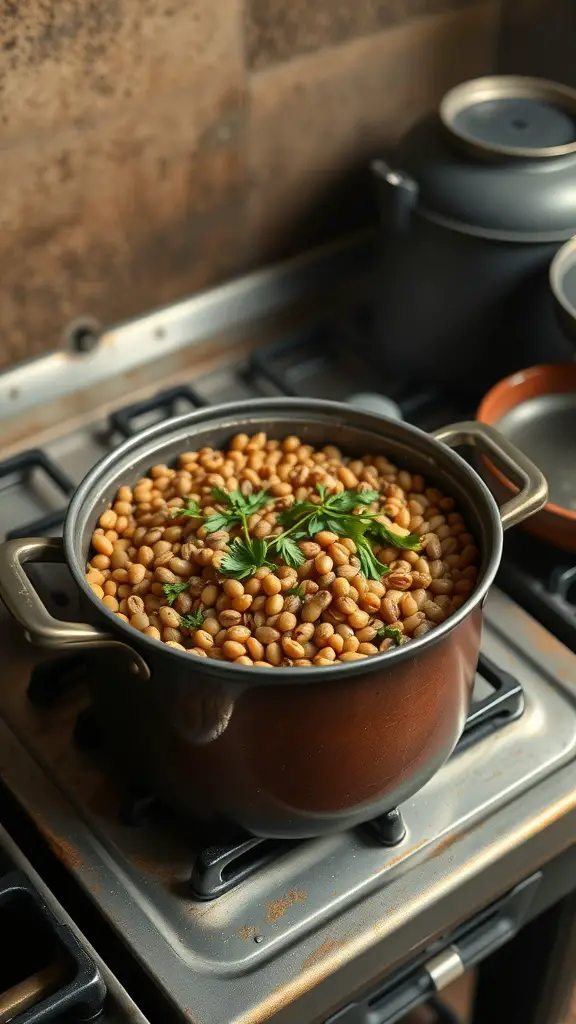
{"type": "Point", "coordinates": [540, 396]}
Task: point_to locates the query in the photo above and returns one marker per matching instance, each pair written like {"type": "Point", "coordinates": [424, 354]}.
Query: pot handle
{"type": "Point", "coordinates": [533, 489]}
{"type": "Point", "coordinates": [397, 196]}
{"type": "Point", "coordinates": [25, 604]}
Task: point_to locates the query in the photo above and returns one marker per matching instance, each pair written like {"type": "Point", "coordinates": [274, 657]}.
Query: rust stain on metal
{"type": "Point", "coordinates": [277, 908]}
{"type": "Point", "coordinates": [403, 855]}
{"type": "Point", "coordinates": [448, 841]}
{"type": "Point", "coordinates": [67, 853]}
{"type": "Point", "coordinates": [315, 958]}
{"type": "Point", "coordinates": [247, 932]}
{"type": "Point", "coordinates": [317, 966]}
{"type": "Point", "coordinates": [331, 953]}
{"type": "Point", "coordinates": [164, 872]}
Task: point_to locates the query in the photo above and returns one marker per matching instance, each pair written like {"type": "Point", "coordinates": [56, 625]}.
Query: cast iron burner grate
{"type": "Point", "coordinates": [543, 580]}
{"type": "Point", "coordinates": [222, 864]}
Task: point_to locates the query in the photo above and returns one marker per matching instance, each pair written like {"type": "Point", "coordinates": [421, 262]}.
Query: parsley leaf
{"type": "Point", "coordinates": [221, 495]}
{"type": "Point", "coordinates": [237, 509]}
{"type": "Point", "coordinates": [369, 564]}
{"type": "Point", "coordinates": [371, 567]}
{"type": "Point", "coordinates": [347, 501]}
{"type": "Point", "coordinates": [390, 632]}
{"type": "Point", "coordinates": [192, 621]}
{"type": "Point", "coordinates": [191, 508]}
{"type": "Point", "coordinates": [317, 523]}
{"type": "Point", "coordinates": [384, 535]}
{"type": "Point", "coordinates": [242, 504]}
{"type": "Point", "coordinates": [220, 521]}
{"type": "Point", "coordinates": [244, 557]}
{"type": "Point", "coordinates": [288, 549]}
{"type": "Point", "coordinates": [173, 589]}
{"type": "Point", "coordinates": [298, 591]}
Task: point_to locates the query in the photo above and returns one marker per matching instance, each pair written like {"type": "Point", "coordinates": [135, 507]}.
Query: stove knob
{"type": "Point", "coordinates": [369, 401]}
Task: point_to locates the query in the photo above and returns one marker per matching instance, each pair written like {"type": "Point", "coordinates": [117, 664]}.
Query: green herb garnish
{"type": "Point", "coordinates": [390, 633]}
{"type": "Point", "coordinates": [173, 589]}
{"type": "Point", "coordinates": [298, 591]}
{"type": "Point", "coordinates": [237, 509]}
{"type": "Point", "coordinates": [191, 509]}
{"type": "Point", "coordinates": [336, 514]}
{"type": "Point", "coordinates": [384, 535]}
{"type": "Point", "coordinates": [192, 621]}
{"type": "Point", "coordinates": [343, 513]}
{"type": "Point", "coordinates": [245, 557]}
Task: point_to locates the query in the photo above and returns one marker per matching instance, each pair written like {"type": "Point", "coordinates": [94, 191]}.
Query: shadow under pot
{"type": "Point", "coordinates": [280, 752]}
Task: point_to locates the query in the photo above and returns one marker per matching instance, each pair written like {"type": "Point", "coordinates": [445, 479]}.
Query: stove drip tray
{"type": "Point", "coordinates": [225, 861]}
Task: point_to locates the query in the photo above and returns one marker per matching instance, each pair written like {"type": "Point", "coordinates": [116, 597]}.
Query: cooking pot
{"type": "Point", "coordinates": [281, 752]}
{"type": "Point", "coordinates": [536, 408]}
{"type": "Point", "coordinates": [474, 204]}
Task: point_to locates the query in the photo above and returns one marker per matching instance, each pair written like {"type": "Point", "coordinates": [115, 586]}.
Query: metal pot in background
{"type": "Point", "coordinates": [287, 752]}
{"type": "Point", "coordinates": [480, 197]}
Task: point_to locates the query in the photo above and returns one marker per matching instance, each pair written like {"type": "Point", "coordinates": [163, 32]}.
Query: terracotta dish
{"type": "Point", "coordinates": [536, 409]}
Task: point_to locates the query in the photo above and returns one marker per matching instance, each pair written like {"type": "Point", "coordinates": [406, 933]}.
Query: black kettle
{"type": "Point", "coordinates": [481, 195]}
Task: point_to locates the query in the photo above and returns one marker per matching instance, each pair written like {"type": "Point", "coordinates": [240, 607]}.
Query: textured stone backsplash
{"type": "Point", "coordinates": [150, 148]}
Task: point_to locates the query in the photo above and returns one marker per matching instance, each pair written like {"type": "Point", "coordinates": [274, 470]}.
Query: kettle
{"type": "Point", "coordinates": [474, 205]}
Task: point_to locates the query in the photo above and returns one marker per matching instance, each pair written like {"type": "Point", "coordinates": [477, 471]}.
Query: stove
{"type": "Point", "coordinates": [232, 929]}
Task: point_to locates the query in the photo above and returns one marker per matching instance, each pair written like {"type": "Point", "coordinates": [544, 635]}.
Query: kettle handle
{"type": "Point", "coordinates": [397, 196]}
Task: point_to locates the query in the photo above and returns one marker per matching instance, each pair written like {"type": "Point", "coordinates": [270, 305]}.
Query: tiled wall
{"type": "Point", "coordinates": [149, 148]}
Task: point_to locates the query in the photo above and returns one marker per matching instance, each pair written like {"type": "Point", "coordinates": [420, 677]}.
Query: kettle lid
{"type": "Point", "coordinates": [497, 160]}
{"type": "Point", "coordinates": [511, 115]}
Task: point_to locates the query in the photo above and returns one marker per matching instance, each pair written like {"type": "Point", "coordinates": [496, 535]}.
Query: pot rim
{"type": "Point", "coordinates": [245, 674]}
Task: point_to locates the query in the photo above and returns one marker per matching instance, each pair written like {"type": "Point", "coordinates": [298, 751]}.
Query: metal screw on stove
{"type": "Point", "coordinates": [82, 335]}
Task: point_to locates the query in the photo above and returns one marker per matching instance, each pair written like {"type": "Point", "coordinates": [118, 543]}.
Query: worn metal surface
{"type": "Point", "coordinates": [333, 915]}
{"type": "Point", "coordinates": [327, 902]}
{"type": "Point", "coordinates": [163, 333]}
{"type": "Point", "coordinates": [119, 1008]}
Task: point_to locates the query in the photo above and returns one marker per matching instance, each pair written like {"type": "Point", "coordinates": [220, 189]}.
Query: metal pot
{"type": "Point", "coordinates": [474, 204]}
{"type": "Point", "coordinates": [289, 752]}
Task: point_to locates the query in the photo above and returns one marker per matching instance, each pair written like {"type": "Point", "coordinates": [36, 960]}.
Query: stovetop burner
{"type": "Point", "coordinates": [543, 580]}
{"type": "Point", "coordinates": [226, 860]}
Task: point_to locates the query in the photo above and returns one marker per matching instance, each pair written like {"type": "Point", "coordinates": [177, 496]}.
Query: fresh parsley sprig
{"type": "Point", "coordinates": [173, 589]}
{"type": "Point", "coordinates": [338, 514]}
{"type": "Point", "coordinates": [236, 509]}
{"type": "Point", "coordinates": [244, 557]}
{"type": "Point", "coordinates": [389, 633]}
{"type": "Point", "coordinates": [192, 621]}
{"type": "Point", "coordinates": [344, 514]}
{"type": "Point", "coordinates": [191, 509]}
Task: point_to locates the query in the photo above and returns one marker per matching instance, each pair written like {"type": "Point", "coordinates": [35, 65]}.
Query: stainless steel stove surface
{"type": "Point", "coordinates": [324, 917]}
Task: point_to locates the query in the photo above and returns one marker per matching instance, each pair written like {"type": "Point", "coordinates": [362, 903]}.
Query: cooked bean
{"type": "Point", "coordinates": [291, 648]}
{"type": "Point", "coordinates": [313, 609]}
{"type": "Point", "coordinates": [287, 621]}
{"type": "Point", "coordinates": [323, 610]}
{"type": "Point", "coordinates": [274, 604]}
{"type": "Point", "coordinates": [274, 653]}
{"type": "Point", "coordinates": [233, 588]}
{"type": "Point", "coordinates": [102, 545]}
{"type": "Point", "coordinates": [238, 633]}
{"type": "Point", "coordinates": [267, 634]}
{"type": "Point", "coordinates": [232, 650]}
{"type": "Point", "coordinates": [140, 621]}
